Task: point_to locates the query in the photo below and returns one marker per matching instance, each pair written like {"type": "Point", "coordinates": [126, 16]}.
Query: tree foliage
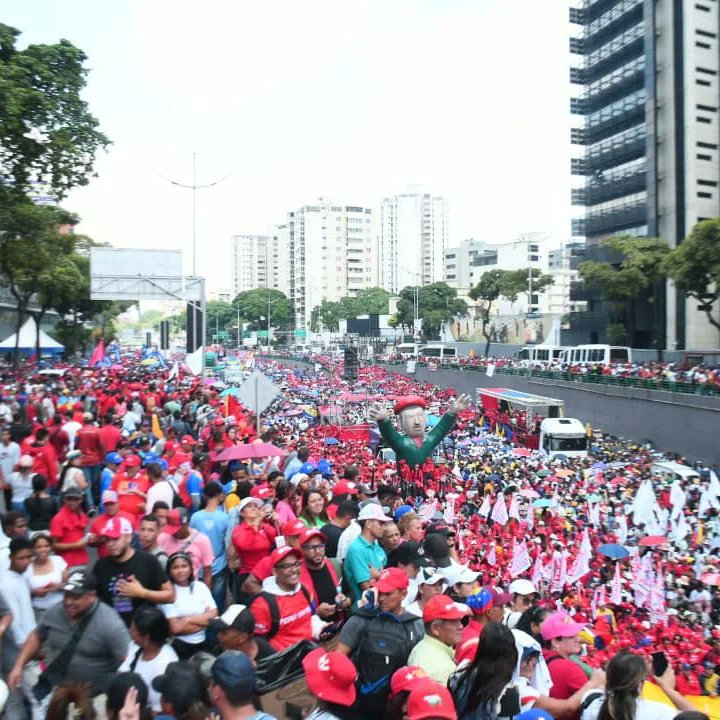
{"type": "Point", "coordinates": [369, 301]}
{"type": "Point", "coordinates": [507, 284]}
{"type": "Point", "coordinates": [254, 305]}
{"type": "Point", "coordinates": [694, 266]}
{"type": "Point", "coordinates": [47, 133]}
{"type": "Point", "coordinates": [438, 304]}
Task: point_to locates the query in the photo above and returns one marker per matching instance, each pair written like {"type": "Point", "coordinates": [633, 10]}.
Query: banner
{"type": "Point", "coordinates": [521, 560]}
{"type": "Point", "coordinates": [499, 511]}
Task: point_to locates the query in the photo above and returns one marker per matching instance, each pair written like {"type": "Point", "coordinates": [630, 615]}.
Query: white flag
{"type": "Point", "coordinates": [521, 560]}
{"type": "Point", "coordinates": [530, 516]}
{"type": "Point", "coordinates": [514, 509]}
{"type": "Point", "coordinates": [499, 511]}
{"type": "Point", "coordinates": [427, 510]}
{"type": "Point", "coordinates": [537, 573]}
{"type": "Point", "coordinates": [490, 370]}
{"type": "Point", "coordinates": [492, 556]}
{"type": "Point", "coordinates": [173, 371]}
{"type": "Point", "coordinates": [486, 507]}
{"type": "Point", "coordinates": [616, 586]}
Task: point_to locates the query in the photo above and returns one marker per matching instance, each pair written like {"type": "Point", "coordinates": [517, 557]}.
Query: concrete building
{"type": "Point", "coordinates": [332, 253]}
{"type": "Point", "coordinates": [261, 261]}
{"type": "Point", "coordinates": [563, 264]}
{"type": "Point", "coordinates": [648, 99]}
{"type": "Point", "coordinates": [413, 238]}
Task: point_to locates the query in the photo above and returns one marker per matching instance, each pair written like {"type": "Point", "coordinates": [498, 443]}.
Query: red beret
{"type": "Point", "coordinates": [409, 401]}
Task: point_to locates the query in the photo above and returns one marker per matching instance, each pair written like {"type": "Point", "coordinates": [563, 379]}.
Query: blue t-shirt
{"type": "Point", "coordinates": [214, 525]}
{"type": "Point", "coordinates": [194, 487]}
{"type": "Point", "coordinates": [106, 478]}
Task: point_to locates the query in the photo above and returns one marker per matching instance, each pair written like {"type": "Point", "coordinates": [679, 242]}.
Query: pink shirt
{"type": "Point", "coordinates": [284, 513]}
{"type": "Point", "coordinates": [197, 546]}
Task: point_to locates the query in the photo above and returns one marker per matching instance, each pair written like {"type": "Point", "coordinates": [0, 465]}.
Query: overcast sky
{"type": "Point", "coordinates": [297, 100]}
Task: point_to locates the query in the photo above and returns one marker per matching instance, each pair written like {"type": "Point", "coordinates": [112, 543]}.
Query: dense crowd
{"type": "Point", "coordinates": [164, 554]}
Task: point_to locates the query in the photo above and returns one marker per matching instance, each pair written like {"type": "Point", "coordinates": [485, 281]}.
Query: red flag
{"type": "Point", "coordinates": [98, 354]}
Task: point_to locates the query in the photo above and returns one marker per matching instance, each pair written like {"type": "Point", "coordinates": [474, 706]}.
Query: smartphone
{"type": "Point", "coordinates": [659, 663]}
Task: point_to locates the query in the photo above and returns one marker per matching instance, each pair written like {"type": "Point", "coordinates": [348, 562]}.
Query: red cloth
{"type": "Point", "coordinates": [567, 677]}
{"type": "Point", "coordinates": [98, 525]}
{"type": "Point", "coordinates": [89, 442]}
{"type": "Point", "coordinates": [69, 527]}
{"type": "Point", "coordinates": [60, 441]}
{"type": "Point", "coordinates": [110, 437]}
{"type": "Point", "coordinates": [687, 685]}
{"type": "Point", "coordinates": [295, 619]}
{"type": "Point", "coordinates": [130, 503]}
{"type": "Point", "coordinates": [44, 460]}
{"type": "Point", "coordinates": [252, 545]}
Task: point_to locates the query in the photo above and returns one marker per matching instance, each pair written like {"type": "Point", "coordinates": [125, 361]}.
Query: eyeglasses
{"type": "Point", "coordinates": [289, 566]}
{"type": "Point", "coordinates": [318, 546]}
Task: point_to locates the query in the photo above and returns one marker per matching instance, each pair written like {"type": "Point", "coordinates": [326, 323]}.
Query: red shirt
{"type": "Point", "coordinates": [687, 686]}
{"type": "Point", "coordinates": [88, 441]}
{"type": "Point", "coordinates": [252, 545]}
{"type": "Point", "coordinates": [130, 503]}
{"type": "Point", "coordinates": [98, 525]}
{"type": "Point", "coordinates": [295, 619]}
{"type": "Point", "coordinates": [567, 677]}
{"type": "Point", "coordinates": [110, 437]}
{"type": "Point", "coordinates": [44, 460]}
{"type": "Point", "coordinates": [69, 527]}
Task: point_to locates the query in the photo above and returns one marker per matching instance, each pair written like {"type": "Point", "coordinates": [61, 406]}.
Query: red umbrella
{"type": "Point", "coordinates": [249, 450]}
{"type": "Point", "coordinates": [522, 452]}
{"type": "Point", "coordinates": [653, 540]}
{"type": "Point", "coordinates": [710, 579]}
{"type": "Point", "coordinates": [530, 493]}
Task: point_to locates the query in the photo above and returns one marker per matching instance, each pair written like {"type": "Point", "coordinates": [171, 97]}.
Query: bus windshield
{"type": "Point", "coordinates": [560, 444]}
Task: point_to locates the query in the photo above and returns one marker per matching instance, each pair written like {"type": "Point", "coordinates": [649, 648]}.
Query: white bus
{"type": "Point", "coordinates": [590, 354]}
{"type": "Point", "coordinates": [439, 352]}
{"type": "Point", "coordinates": [407, 351]}
{"type": "Point", "coordinates": [540, 353]}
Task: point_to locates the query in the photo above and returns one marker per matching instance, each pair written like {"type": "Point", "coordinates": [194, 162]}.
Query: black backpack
{"type": "Point", "coordinates": [384, 648]}
{"type": "Point", "coordinates": [272, 604]}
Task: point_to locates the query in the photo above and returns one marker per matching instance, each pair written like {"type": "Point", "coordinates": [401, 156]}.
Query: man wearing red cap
{"type": "Point", "coordinates": [131, 486]}
{"type": "Point", "coordinates": [111, 509]}
{"type": "Point", "coordinates": [178, 536]}
{"type": "Point", "coordinates": [435, 653]}
{"type": "Point", "coordinates": [283, 612]}
{"type": "Point", "coordinates": [414, 447]}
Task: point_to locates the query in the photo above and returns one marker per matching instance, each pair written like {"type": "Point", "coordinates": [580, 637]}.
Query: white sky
{"type": "Point", "coordinates": [298, 99]}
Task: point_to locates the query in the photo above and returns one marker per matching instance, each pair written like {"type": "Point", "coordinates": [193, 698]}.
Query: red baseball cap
{"type": "Point", "coordinates": [311, 533]}
{"type": "Point", "coordinates": [391, 579]}
{"type": "Point", "coordinates": [430, 700]}
{"type": "Point", "coordinates": [330, 676]}
{"type": "Point", "coordinates": [263, 492]}
{"type": "Point", "coordinates": [406, 677]}
{"type": "Point", "coordinates": [409, 401]}
{"type": "Point", "coordinates": [282, 553]}
{"type": "Point", "coordinates": [441, 607]}
{"type": "Point", "coordinates": [133, 461]}
{"type": "Point", "coordinates": [345, 487]}
{"type": "Point", "coordinates": [176, 518]}
{"type": "Point", "coordinates": [170, 446]}
{"type": "Point", "coordinates": [117, 526]}
{"type": "Point", "coordinates": [187, 440]}
{"type": "Point", "coordinates": [294, 528]}
{"type": "Point", "coordinates": [218, 421]}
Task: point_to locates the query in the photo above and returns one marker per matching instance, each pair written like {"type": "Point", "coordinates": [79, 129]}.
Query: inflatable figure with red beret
{"type": "Point", "coordinates": [414, 447]}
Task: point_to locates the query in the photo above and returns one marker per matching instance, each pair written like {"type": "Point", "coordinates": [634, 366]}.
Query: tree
{"type": "Point", "coordinates": [694, 266]}
{"type": "Point", "coordinates": [253, 306]}
{"type": "Point", "coordinates": [639, 265]}
{"type": "Point", "coordinates": [437, 304]}
{"type": "Point", "coordinates": [507, 284]}
{"type": "Point", "coordinates": [47, 133]}
{"type": "Point", "coordinates": [218, 315]}
{"type": "Point", "coordinates": [327, 315]}
{"type": "Point", "coordinates": [369, 301]}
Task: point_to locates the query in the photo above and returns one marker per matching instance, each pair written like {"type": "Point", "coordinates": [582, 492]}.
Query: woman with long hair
{"type": "Point", "coordinates": [71, 474]}
{"type": "Point", "coordinates": [149, 654]}
{"type": "Point", "coordinates": [285, 502]}
{"type": "Point", "coordinates": [41, 507]}
{"type": "Point", "coordinates": [624, 680]}
{"type": "Point", "coordinates": [531, 620]}
{"type": "Point", "coordinates": [193, 608]}
{"type": "Point", "coordinates": [46, 574]}
{"type": "Point", "coordinates": [312, 509]}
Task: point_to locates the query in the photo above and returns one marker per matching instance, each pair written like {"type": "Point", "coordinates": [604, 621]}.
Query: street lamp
{"type": "Point", "coordinates": [269, 303]}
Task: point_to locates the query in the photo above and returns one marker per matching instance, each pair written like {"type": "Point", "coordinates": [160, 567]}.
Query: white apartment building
{"type": "Point", "coordinates": [261, 261]}
{"type": "Point", "coordinates": [332, 253]}
{"type": "Point", "coordinates": [563, 263]}
{"type": "Point", "coordinates": [413, 238]}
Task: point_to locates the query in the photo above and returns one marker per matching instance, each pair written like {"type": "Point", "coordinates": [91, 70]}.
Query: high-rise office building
{"type": "Point", "coordinates": [332, 254]}
{"type": "Point", "coordinates": [413, 238]}
{"type": "Point", "coordinates": [648, 102]}
{"type": "Point", "coordinates": [261, 261]}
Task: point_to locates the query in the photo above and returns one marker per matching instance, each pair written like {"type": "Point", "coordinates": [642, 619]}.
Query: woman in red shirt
{"type": "Point", "coordinates": [253, 538]}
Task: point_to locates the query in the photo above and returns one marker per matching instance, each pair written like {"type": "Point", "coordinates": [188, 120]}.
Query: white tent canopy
{"type": "Point", "coordinates": [27, 337]}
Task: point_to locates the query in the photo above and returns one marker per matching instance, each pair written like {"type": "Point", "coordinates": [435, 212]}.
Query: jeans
{"type": "Point", "coordinates": [20, 507]}
{"type": "Point", "coordinates": [219, 590]}
{"type": "Point", "coordinates": [92, 475]}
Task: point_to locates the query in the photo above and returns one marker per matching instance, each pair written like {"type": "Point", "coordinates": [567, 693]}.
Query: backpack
{"type": "Point", "coordinates": [177, 499]}
{"type": "Point", "coordinates": [275, 610]}
{"type": "Point", "coordinates": [384, 647]}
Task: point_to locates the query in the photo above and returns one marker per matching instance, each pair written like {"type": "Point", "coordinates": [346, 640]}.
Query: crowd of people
{"type": "Point", "coordinates": [162, 551]}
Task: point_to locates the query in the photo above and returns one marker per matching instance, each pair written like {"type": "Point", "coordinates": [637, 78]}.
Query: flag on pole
{"type": "Point", "coordinates": [98, 354]}
{"type": "Point", "coordinates": [499, 511]}
{"type": "Point", "coordinates": [486, 507]}
{"type": "Point", "coordinates": [530, 516]}
{"type": "Point", "coordinates": [538, 571]}
{"type": "Point", "coordinates": [616, 586]}
{"type": "Point", "coordinates": [492, 555]}
{"type": "Point", "coordinates": [521, 560]}
{"type": "Point", "coordinates": [514, 509]}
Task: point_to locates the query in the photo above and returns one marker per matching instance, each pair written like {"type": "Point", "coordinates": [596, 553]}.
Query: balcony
{"type": "Point", "coordinates": [617, 117]}
{"type": "Point", "coordinates": [611, 220]}
{"type": "Point", "coordinates": [613, 22]}
{"type": "Point", "coordinates": [578, 136]}
{"type": "Point", "coordinates": [624, 81]}
{"type": "Point", "coordinates": [594, 9]}
{"type": "Point", "coordinates": [603, 188]}
{"type": "Point", "coordinates": [577, 16]}
{"type": "Point", "coordinates": [615, 53]}
{"type": "Point", "coordinates": [619, 149]}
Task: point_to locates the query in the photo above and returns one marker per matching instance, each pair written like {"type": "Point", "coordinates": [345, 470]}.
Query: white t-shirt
{"type": "Point", "coordinates": [645, 710]}
{"type": "Point", "coordinates": [413, 608]}
{"type": "Point", "coordinates": [161, 490]}
{"type": "Point", "coordinates": [194, 599]}
{"type": "Point", "coordinates": [149, 669]}
{"type": "Point", "coordinates": [21, 486]}
{"type": "Point", "coordinates": [38, 581]}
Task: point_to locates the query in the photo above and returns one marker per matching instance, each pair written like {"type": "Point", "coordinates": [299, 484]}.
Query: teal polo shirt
{"type": "Point", "coordinates": [360, 556]}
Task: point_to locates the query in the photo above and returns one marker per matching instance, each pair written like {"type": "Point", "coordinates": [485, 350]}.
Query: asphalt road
{"type": "Point", "coordinates": [691, 431]}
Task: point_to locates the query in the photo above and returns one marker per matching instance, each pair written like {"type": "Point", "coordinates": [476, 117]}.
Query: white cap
{"type": "Point", "coordinates": [522, 587]}
{"type": "Point", "coordinates": [459, 574]}
{"type": "Point", "coordinates": [25, 461]}
{"type": "Point", "coordinates": [246, 501]}
{"type": "Point", "coordinates": [297, 478]}
{"type": "Point", "coordinates": [372, 511]}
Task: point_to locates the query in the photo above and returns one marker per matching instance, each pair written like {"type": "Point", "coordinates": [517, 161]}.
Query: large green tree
{"type": "Point", "coordinates": [255, 304]}
{"type": "Point", "coordinates": [639, 266]}
{"type": "Point", "coordinates": [437, 304]}
{"type": "Point", "coordinates": [694, 266]}
{"type": "Point", "coordinates": [327, 316]}
{"type": "Point", "coordinates": [47, 133]}
{"type": "Point", "coordinates": [507, 284]}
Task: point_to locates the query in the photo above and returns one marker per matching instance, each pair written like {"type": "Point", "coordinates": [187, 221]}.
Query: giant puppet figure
{"type": "Point", "coordinates": [414, 448]}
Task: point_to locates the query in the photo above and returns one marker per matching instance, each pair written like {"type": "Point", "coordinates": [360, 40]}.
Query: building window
{"type": "Point", "coordinates": [704, 8]}
{"type": "Point", "coordinates": [704, 157]}
{"type": "Point", "coordinates": [706, 33]}
{"type": "Point", "coordinates": [706, 71]}
{"type": "Point", "coordinates": [706, 108]}
{"type": "Point", "coordinates": [705, 195]}
{"type": "Point", "coordinates": [704, 83]}
{"type": "Point", "coordinates": [704, 46]}
{"type": "Point", "coordinates": [709, 146]}
{"type": "Point", "coordinates": [707, 121]}
{"type": "Point", "coordinates": [707, 183]}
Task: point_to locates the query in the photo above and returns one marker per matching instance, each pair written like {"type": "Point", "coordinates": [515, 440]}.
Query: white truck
{"type": "Point", "coordinates": [563, 436]}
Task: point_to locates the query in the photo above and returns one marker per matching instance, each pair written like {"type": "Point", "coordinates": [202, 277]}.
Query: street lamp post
{"type": "Point", "coordinates": [269, 303]}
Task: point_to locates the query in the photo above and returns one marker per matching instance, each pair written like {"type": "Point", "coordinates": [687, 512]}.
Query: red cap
{"type": "Point", "coordinates": [176, 518]}
{"type": "Point", "coordinates": [441, 607]}
{"type": "Point", "coordinates": [430, 700]}
{"type": "Point", "coordinates": [345, 487]}
{"type": "Point", "coordinates": [218, 421]}
{"type": "Point", "coordinates": [133, 461]}
{"type": "Point", "coordinates": [311, 533]}
{"type": "Point", "coordinates": [330, 676]}
{"type": "Point", "coordinates": [187, 439]}
{"type": "Point", "coordinates": [117, 526]}
{"type": "Point", "coordinates": [170, 446]}
{"type": "Point", "coordinates": [409, 401]}
{"type": "Point", "coordinates": [294, 528]}
{"type": "Point", "coordinates": [406, 677]}
{"type": "Point", "coordinates": [391, 579]}
{"type": "Point", "coordinates": [263, 492]}
{"type": "Point", "coordinates": [282, 553]}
